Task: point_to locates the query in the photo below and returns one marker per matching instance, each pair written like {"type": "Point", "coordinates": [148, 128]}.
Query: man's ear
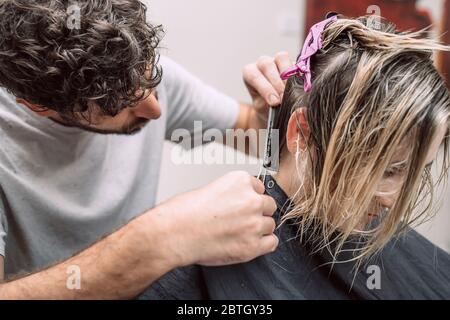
{"type": "Point", "coordinates": [298, 131]}
{"type": "Point", "coordinates": [39, 110]}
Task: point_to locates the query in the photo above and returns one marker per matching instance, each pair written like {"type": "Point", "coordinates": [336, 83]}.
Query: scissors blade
{"type": "Point", "coordinates": [271, 152]}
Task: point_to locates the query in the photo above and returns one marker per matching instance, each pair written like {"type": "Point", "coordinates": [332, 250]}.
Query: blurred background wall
{"type": "Point", "coordinates": [215, 39]}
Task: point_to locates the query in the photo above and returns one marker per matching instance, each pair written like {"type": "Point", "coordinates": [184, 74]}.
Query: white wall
{"type": "Point", "coordinates": [214, 40]}
{"type": "Point", "coordinates": [437, 229]}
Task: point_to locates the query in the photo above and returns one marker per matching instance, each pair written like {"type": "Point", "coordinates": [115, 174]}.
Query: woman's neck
{"type": "Point", "coordinates": [287, 177]}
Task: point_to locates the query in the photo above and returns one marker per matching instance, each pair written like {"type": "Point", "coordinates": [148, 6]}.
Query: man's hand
{"type": "Point", "coordinates": [266, 88]}
{"type": "Point", "coordinates": [264, 83]}
{"type": "Point", "coordinates": [229, 221]}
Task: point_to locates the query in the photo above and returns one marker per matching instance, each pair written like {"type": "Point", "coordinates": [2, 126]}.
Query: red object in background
{"type": "Point", "coordinates": [403, 13]}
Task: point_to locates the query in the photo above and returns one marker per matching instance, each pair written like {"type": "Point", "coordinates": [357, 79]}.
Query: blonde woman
{"type": "Point", "coordinates": [363, 117]}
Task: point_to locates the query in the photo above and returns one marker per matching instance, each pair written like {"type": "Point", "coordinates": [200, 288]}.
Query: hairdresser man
{"type": "Point", "coordinates": [83, 116]}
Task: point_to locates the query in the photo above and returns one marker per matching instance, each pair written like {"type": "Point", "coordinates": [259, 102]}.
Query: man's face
{"type": "Point", "coordinates": [129, 121]}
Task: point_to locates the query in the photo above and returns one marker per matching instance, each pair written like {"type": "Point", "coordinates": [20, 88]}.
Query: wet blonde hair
{"type": "Point", "coordinates": [372, 90]}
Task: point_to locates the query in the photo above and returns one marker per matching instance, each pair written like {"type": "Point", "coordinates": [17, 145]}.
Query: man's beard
{"type": "Point", "coordinates": [128, 129]}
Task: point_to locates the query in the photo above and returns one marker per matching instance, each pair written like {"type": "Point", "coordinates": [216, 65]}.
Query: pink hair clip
{"type": "Point", "coordinates": [313, 43]}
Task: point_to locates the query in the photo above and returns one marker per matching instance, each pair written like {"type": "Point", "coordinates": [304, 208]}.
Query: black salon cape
{"type": "Point", "coordinates": [410, 267]}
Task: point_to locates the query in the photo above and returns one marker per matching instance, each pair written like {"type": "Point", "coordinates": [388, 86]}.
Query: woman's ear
{"type": "Point", "coordinates": [298, 131]}
{"type": "Point", "coordinates": [39, 110]}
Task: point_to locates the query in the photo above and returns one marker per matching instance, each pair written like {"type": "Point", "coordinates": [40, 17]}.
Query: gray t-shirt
{"type": "Point", "coordinates": [62, 189]}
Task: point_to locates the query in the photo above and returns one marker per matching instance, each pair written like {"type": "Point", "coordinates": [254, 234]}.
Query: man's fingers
{"type": "Point", "coordinates": [269, 68]}
{"type": "Point", "coordinates": [268, 244]}
{"type": "Point", "coordinates": [270, 206]}
{"type": "Point", "coordinates": [268, 226]}
{"type": "Point", "coordinates": [263, 78]}
{"type": "Point", "coordinates": [258, 185]}
{"type": "Point", "coordinates": [256, 80]}
{"type": "Point", "coordinates": [282, 61]}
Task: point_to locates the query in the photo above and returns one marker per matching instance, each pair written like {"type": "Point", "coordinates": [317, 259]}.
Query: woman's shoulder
{"type": "Point", "coordinates": [180, 284]}
{"type": "Point", "coordinates": [421, 267]}
{"type": "Point", "coordinates": [413, 245]}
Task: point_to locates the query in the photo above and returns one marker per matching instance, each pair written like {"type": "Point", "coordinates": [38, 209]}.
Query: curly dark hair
{"type": "Point", "coordinates": [107, 60]}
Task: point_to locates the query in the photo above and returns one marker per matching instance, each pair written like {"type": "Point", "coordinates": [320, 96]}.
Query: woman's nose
{"type": "Point", "coordinates": [387, 201]}
{"type": "Point", "coordinates": [148, 108]}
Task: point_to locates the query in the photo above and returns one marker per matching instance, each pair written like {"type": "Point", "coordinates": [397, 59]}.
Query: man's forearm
{"type": "Point", "coordinates": [2, 273]}
{"type": "Point", "coordinates": [228, 221]}
{"type": "Point", "coordinates": [118, 267]}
